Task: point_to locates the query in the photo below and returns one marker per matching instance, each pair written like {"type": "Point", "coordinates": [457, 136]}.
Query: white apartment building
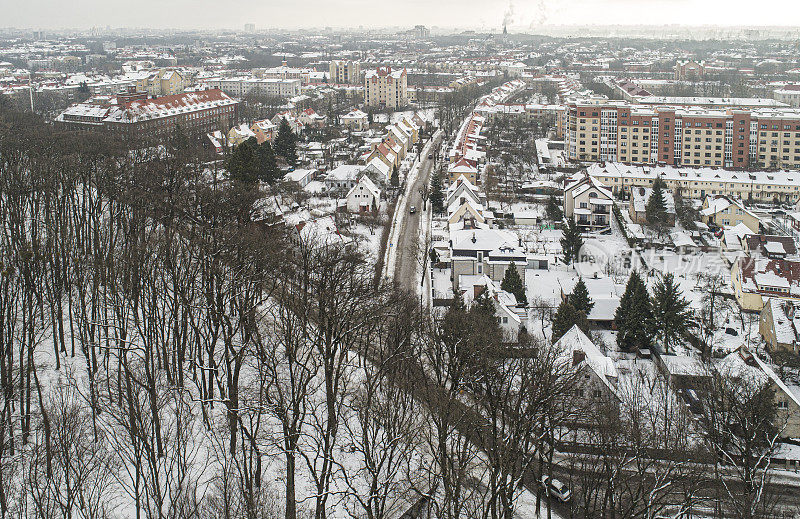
{"type": "Point", "coordinates": [241, 86]}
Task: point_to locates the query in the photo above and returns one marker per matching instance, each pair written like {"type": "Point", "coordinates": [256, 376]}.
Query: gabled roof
{"type": "Point", "coordinates": [576, 340]}
{"type": "Point", "coordinates": [744, 364]}
{"type": "Point", "coordinates": [462, 211]}
{"type": "Point", "coordinates": [771, 244]}
{"type": "Point", "coordinates": [345, 172]}
{"type": "Point", "coordinates": [367, 184]}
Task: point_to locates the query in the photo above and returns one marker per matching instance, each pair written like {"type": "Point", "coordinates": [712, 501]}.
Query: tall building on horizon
{"type": "Point", "coordinates": [345, 72]}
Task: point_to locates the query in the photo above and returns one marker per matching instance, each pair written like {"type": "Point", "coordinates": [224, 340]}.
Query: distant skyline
{"type": "Point", "coordinates": [475, 14]}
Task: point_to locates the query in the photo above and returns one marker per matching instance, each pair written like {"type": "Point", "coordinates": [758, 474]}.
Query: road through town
{"type": "Point", "coordinates": [407, 243]}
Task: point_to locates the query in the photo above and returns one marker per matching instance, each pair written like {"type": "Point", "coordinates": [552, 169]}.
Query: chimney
{"type": "Point", "coordinates": [474, 239]}
{"type": "Point", "coordinates": [578, 356]}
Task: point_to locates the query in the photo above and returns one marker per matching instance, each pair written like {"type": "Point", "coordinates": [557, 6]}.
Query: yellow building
{"type": "Point", "coordinates": [723, 211]}
{"type": "Point", "coordinates": [161, 83]}
{"type": "Point", "coordinates": [698, 183]}
{"type": "Point", "coordinates": [755, 280]}
{"type": "Point", "coordinates": [345, 72]}
{"type": "Point", "coordinates": [386, 88]}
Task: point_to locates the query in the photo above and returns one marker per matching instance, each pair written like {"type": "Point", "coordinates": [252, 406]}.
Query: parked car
{"type": "Point", "coordinates": [430, 155]}
{"type": "Point", "coordinates": [555, 488]}
{"type": "Point", "coordinates": [413, 209]}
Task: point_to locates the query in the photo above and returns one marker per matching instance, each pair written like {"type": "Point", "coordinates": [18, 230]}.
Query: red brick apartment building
{"type": "Point", "coordinates": [134, 114]}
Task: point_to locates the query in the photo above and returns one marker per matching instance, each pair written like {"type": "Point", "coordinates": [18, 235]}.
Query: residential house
{"type": "Point", "coordinates": [387, 154]}
{"type": "Point", "coordinates": [355, 120]}
{"type": "Point", "coordinates": [603, 292]}
{"type": "Point", "coordinates": [471, 244]}
{"type": "Point", "coordinates": [311, 119]}
{"type": "Point", "coordinates": [597, 376]}
{"type": "Point", "coordinates": [510, 318]}
{"type": "Point", "coordinates": [462, 191]}
{"type": "Point", "coordinates": [343, 178]}
{"type": "Point", "coordinates": [744, 367]}
{"type": "Point", "coordinates": [637, 206]}
{"type": "Point", "coordinates": [466, 168]}
{"type": "Point", "coordinates": [162, 82]}
{"type": "Point", "coordinates": [378, 170]}
{"type": "Point", "coordinates": [467, 211]}
{"type": "Point", "coordinates": [588, 202]}
{"type": "Point", "coordinates": [239, 134]}
{"type": "Point", "coordinates": [294, 123]}
{"type": "Point", "coordinates": [300, 176]}
{"type": "Point", "coordinates": [725, 211]}
{"type": "Point", "coordinates": [364, 197]}
{"type": "Point", "coordinates": [779, 325]}
{"type": "Point", "coordinates": [770, 246]}
{"type": "Point", "coordinates": [264, 130]}
{"type": "Point", "coordinates": [755, 279]}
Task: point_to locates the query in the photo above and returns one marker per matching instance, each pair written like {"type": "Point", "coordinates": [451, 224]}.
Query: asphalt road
{"type": "Point", "coordinates": [405, 273]}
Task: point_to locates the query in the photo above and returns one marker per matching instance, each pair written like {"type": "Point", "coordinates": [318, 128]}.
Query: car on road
{"type": "Point", "coordinates": [413, 209]}
{"type": "Point", "coordinates": [556, 488]}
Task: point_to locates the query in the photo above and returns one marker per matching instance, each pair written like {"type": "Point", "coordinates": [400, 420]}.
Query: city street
{"type": "Point", "coordinates": [407, 246]}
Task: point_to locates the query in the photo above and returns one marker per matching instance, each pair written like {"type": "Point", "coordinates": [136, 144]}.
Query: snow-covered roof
{"type": "Point", "coordinates": [298, 174]}
{"type": "Point", "coordinates": [345, 172]}
{"type": "Point", "coordinates": [682, 174]}
{"type": "Point", "coordinates": [641, 195]}
{"type": "Point", "coordinates": [481, 239]}
{"type": "Point", "coordinates": [367, 184]}
{"type": "Point", "coordinates": [576, 340]}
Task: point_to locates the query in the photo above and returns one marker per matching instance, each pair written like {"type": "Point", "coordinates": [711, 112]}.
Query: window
{"type": "Point", "coordinates": [597, 393]}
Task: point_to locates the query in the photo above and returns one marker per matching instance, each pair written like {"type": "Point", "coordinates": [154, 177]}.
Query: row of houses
{"type": "Point", "coordinates": [400, 138]}
{"type": "Point", "coordinates": [266, 129]}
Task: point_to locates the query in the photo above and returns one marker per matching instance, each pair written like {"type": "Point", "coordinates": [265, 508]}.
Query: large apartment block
{"type": "Point", "coordinates": [134, 114]}
{"type": "Point", "coordinates": [385, 87]}
{"type": "Point", "coordinates": [345, 72]}
{"type": "Point", "coordinates": [733, 138]}
{"type": "Point", "coordinates": [699, 183]}
{"type": "Point", "coordinates": [242, 86]}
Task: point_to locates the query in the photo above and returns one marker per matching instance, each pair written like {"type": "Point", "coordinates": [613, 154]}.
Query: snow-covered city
{"type": "Point", "coordinates": [520, 261]}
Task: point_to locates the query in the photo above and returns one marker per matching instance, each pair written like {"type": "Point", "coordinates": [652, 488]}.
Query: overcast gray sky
{"type": "Point", "coordinates": [352, 13]}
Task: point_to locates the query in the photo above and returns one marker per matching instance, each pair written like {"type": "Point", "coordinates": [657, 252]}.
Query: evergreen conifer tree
{"type": "Point", "coordinates": [553, 209]}
{"type": "Point", "coordinates": [513, 284]}
{"type": "Point", "coordinates": [572, 241]}
{"type": "Point", "coordinates": [671, 317]}
{"type": "Point", "coordinates": [286, 143]}
{"type": "Point", "coordinates": [565, 318]}
{"type": "Point", "coordinates": [633, 316]}
{"type": "Point", "coordinates": [268, 165]}
{"type": "Point", "coordinates": [243, 164]}
{"type": "Point", "coordinates": [395, 178]}
{"type": "Point", "coordinates": [437, 196]}
{"type": "Point", "coordinates": [656, 209]}
{"type": "Point", "coordinates": [580, 298]}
